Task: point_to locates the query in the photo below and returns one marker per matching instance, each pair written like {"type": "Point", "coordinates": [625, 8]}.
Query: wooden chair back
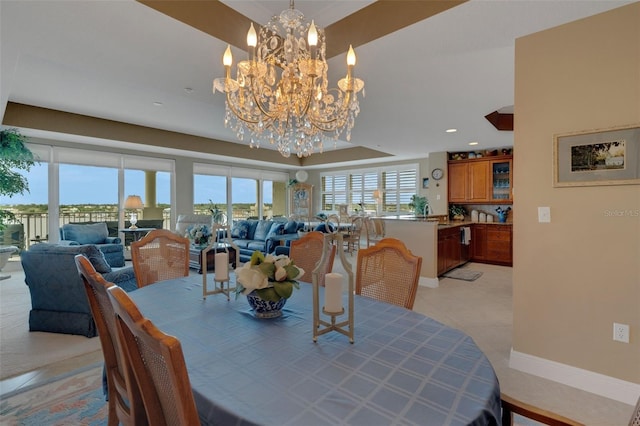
{"type": "Point", "coordinates": [388, 271]}
{"type": "Point", "coordinates": [511, 405]}
{"type": "Point", "coordinates": [306, 253]}
{"type": "Point", "coordinates": [125, 403]}
{"type": "Point", "coordinates": [160, 255]}
{"type": "Point", "coordinates": [158, 364]}
{"type": "Point", "coordinates": [375, 229]}
{"type": "Point", "coordinates": [352, 237]}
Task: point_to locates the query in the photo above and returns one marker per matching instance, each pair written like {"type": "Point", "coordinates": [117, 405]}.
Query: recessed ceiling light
{"type": "Point", "coordinates": [451, 130]}
{"type": "Point", "coordinates": [158, 104]}
{"type": "Point", "coordinates": [473, 143]}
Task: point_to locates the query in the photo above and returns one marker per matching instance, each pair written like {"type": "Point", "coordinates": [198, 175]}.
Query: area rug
{"type": "Point", "coordinates": [463, 274]}
{"type": "Point", "coordinates": [74, 398]}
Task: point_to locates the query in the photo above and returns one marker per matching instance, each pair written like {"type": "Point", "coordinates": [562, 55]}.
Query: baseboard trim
{"type": "Point", "coordinates": [429, 282]}
{"type": "Point", "coordinates": [599, 384]}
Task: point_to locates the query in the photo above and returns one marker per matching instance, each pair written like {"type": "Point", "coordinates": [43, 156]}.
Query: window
{"type": "Point", "coordinates": [250, 193]}
{"type": "Point", "coordinates": [334, 191]}
{"type": "Point", "coordinates": [396, 184]}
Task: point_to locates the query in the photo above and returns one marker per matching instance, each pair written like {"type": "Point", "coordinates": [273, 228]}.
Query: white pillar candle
{"type": "Point", "coordinates": [333, 292]}
{"type": "Point", "coordinates": [222, 267]}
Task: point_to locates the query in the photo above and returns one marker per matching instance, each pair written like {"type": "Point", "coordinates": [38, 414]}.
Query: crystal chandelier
{"type": "Point", "coordinates": [281, 94]}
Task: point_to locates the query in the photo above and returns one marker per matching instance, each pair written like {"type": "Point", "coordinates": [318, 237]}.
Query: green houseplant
{"type": "Point", "coordinates": [419, 204]}
{"type": "Point", "coordinates": [14, 155]}
{"type": "Point", "coordinates": [457, 212]}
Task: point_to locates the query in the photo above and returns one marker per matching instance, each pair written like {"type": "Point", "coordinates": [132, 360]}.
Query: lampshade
{"type": "Point", "coordinates": [133, 202]}
{"type": "Point", "coordinates": [377, 194]}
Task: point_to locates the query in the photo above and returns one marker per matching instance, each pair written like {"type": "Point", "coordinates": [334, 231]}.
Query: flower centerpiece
{"type": "Point", "coordinates": [267, 281]}
{"type": "Point", "coordinates": [199, 234]}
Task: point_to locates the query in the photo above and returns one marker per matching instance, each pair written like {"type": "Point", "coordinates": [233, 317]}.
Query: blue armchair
{"type": "Point", "coordinates": [58, 299]}
{"type": "Point", "coordinates": [73, 234]}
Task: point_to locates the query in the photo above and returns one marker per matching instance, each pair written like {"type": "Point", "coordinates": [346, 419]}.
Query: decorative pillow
{"type": "Point", "coordinates": [262, 230]}
{"type": "Point", "coordinates": [276, 229]}
{"type": "Point", "coordinates": [240, 230]}
{"type": "Point", "coordinates": [291, 227]}
{"type": "Point", "coordinates": [96, 257]}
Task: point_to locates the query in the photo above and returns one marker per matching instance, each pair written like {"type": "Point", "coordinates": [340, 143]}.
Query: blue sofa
{"type": "Point", "coordinates": [73, 234]}
{"type": "Point", "coordinates": [263, 235]}
{"type": "Point", "coordinates": [58, 299]}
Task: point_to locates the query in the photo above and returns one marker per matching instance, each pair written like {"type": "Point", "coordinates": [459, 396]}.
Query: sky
{"type": "Point", "coordinates": [99, 185]}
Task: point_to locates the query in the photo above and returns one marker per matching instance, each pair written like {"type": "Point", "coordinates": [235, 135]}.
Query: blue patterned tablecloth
{"type": "Point", "coordinates": [404, 368]}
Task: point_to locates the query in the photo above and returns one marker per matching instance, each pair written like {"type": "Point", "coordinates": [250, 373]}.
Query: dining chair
{"type": "Point", "coordinates": [158, 365]}
{"type": "Point", "coordinates": [160, 255]}
{"type": "Point", "coordinates": [388, 271]}
{"type": "Point", "coordinates": [511, 406]}
{"type": "Point", "coordinates": [307, 252]}
{"type": "Point", "coordinates": [375, 230]}
{"type": "Point", "coordinates": [125, 403]}
{"type": "Point", "coordinates": [353, 235]}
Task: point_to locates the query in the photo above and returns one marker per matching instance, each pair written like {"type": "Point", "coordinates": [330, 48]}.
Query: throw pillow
{"type": "Point", "coordinates": [276, 229]}
{"type": "Point", "coordinates": [96, 257]}
{"type": "Point", "coordinates": [262, 230]}
{"type": "Point", "coordinates": [291, 227]}
{"type": "Point", "coordinates": [240, 230]}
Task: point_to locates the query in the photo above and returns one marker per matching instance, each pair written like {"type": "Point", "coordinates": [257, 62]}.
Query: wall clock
{"type": "Point", "coordinates": [437, 174]}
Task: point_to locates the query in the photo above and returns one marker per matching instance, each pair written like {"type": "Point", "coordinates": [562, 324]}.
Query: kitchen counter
{"type": "Point", "coordinates": [441, 225]}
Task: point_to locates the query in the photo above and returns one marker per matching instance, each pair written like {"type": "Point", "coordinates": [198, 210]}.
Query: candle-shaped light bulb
{"type": "Point", "coordinates": [252, 37]}
{"type": "Point", "coordinates": [351, 57]}
{"type": "Point", "coordinates": [227, 58]}
{"type": "Point", "coordinates": [313, 35]}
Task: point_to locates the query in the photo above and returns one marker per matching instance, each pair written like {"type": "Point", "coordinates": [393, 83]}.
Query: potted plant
{"type": "Point", "coordinates": [457, 212]}
{"type": "Point", "coordinates": [14, 154]}
{"type": "Point", "coordinates": [419, 204]}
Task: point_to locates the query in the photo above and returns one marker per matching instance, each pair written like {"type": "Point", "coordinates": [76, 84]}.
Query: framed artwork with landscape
{"type": "Point", "coordinates": [597, 157]}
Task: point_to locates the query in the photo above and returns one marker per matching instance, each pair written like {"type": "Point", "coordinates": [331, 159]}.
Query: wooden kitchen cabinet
{"type": "Point", "coordinates": [451, 252]}
{"type": "Point", "coordinates": [492, 244]}
{"type": "Point", "coordinates": [480, 180]}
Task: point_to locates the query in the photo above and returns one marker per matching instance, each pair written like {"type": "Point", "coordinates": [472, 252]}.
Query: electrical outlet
{"type": "Point", "coordinates": [621, 332]}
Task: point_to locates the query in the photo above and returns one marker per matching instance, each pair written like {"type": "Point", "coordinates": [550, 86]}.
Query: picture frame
{"type": "Point", "coordinates": [425, 183]}
{"type": "Point", "coordinates": [597, 157]}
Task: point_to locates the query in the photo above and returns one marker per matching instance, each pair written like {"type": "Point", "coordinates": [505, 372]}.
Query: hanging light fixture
{"type": "Point", "coordinates": [281, 94]}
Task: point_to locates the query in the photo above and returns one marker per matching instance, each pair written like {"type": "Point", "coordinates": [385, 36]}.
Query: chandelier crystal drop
{"type": "Point", "coordinates": [281, 94]}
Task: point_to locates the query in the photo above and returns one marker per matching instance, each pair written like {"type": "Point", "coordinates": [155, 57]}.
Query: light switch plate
{"type": "Point", "coordinates": [544, 214]}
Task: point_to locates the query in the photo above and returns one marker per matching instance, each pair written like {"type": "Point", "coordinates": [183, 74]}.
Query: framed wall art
{"type": "Point", "coordinates": [597, 157]}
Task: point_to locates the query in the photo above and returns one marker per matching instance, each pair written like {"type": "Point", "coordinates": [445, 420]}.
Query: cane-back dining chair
{"type": "Point", "coordinates": [511, 406]}
{"type": "Point", "coordinates": [160, 255]}
{"type": "Point", "coordinates": [158, 365]}
{"type": "Point", "coordinates": [388, 271]}
{"type": "Point", "coordinates": [125, 404]}
{"type": "Point", "coordinates": [352, 237]}
{"type": "Point", "coordinates": [375, 229]}
{"type": "Point", "coordinates": [306, 253]}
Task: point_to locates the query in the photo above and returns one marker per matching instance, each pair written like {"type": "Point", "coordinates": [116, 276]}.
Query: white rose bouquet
{"type": "Point", "coordinates": [272, 277]}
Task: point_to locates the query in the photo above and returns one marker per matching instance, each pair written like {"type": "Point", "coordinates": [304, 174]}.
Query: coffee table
{"type": "Point", "coordinates": [195, 257]}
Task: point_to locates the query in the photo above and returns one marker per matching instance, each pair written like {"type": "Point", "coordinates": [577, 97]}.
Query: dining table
{"type": "Point", "coordinates": [403, 367]}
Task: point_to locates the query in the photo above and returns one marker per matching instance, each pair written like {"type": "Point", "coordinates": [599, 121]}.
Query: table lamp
{"type": "Point", "coordinates": [133, 202]}
{"type": "Point", "coordinates": [377, 195]}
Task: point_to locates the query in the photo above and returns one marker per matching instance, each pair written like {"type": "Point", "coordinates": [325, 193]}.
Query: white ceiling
{"type": "Point", "coordinates": [114, 59]}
